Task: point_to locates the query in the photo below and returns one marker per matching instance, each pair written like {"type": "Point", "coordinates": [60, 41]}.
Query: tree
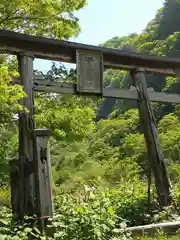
{"type": "Point", "coordinates": [49, 18]}
{"type": "Point", "coordinates": [68, 117]}
{"type": "Point", "coordinates": [9, 95]}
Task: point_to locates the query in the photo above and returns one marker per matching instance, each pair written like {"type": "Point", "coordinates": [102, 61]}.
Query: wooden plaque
{"type": "Point", "coordinates": [89, 72]}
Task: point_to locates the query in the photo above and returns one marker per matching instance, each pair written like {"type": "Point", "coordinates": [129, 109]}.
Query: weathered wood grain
{"type": "Point", "coordinates": [89, 72]}
{"type": "Point", "coordinates": [26, 144]}
{"type": "Point", "coordinates": [156, 157]}
{"type": "Point", "coordinates": [55, 87]}
{"type": "Point", "coordinates": [15, 43]}
{"type": "Point", "coordinates": [43, 176]}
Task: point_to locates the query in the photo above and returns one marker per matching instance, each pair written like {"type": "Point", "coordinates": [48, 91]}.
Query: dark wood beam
{"type": "Point", "coordinates": [65, 51]}
{"type": "Point", "coordinates": [46, 86]}
{"type": "Point", "coordinates": [67, 88]}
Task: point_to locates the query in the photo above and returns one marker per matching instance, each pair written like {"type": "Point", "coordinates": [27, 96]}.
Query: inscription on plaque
{"type": "Point", "coordinates": [89, 72]}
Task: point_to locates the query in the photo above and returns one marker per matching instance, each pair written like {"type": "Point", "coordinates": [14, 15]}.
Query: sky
{"type": "Point", "coordinates": [102, 20]}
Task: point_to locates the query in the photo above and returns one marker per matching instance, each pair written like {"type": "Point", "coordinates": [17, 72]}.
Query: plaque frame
{"type": "Point", "coordinates": [95, 83]}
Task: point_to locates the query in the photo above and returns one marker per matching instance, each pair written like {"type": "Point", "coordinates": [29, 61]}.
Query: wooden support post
{"type": "Point", "coordinates": [156, 157]}
{"type": "Point", "coordinates": [26, 145]}
{"type": "Point", "coordinates": [43, 177]}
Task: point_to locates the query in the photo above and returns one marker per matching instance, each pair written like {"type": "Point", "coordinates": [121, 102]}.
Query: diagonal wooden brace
{"type": "Point", "coordinates": [156, 157]}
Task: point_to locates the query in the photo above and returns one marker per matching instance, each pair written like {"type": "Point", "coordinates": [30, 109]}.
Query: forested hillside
{"type": "Point", "coordinates": [161, 37]}
{"type": "Point", "coordinates": [99, 161]}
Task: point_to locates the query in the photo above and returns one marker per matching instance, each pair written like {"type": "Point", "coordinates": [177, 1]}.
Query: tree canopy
{"type": "Point", "coordinates": [48, 18]}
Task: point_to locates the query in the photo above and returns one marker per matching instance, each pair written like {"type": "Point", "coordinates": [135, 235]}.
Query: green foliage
{"type": "Point", "coordinates": [58, 73]}
{"type": "Point", "coordinates": [99, 166]}
{"type": "Point", "coordinates": [48, 18]}
{"type": "Point", "coordinates": [169, 133]}
{"type": "Point", "coordinates": [8, 151]}
{"type": "Point", "coordinates": [10, 229]}
{"type": "Point", "coordinates": [9, 96]}
{"type": "Point", "coordinates": [91, 215]}
{"type": "Point", "coordinates": [161, 37]}
{"type": "Point", "coordinates": [5, 196]}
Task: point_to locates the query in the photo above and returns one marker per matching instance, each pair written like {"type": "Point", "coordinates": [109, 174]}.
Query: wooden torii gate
{"type": "Point", "coordinates": [32, 190]}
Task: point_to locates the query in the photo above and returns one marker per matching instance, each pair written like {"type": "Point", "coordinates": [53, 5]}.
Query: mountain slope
{"type": "Point", "coordinates": [161, 37]}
